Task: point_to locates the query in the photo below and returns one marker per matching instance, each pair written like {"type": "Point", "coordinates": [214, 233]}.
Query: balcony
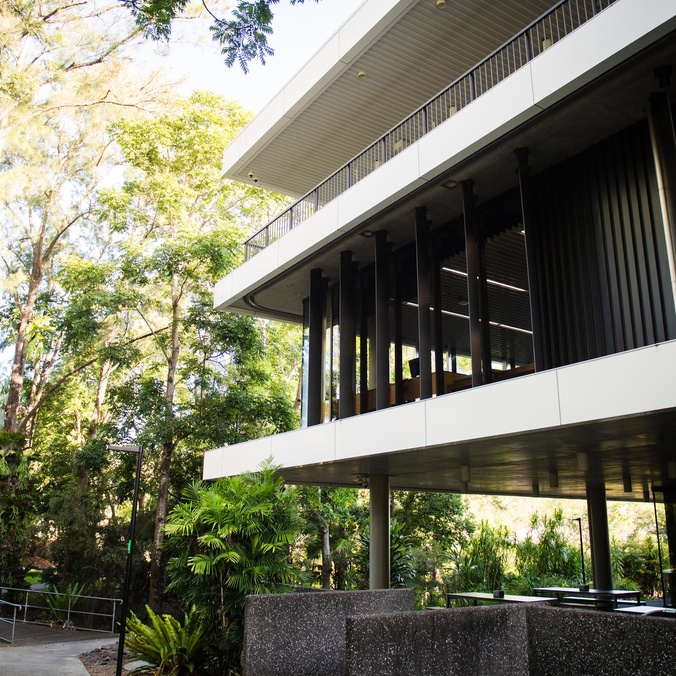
{"type": "Point", "coordinates": [535, 38]}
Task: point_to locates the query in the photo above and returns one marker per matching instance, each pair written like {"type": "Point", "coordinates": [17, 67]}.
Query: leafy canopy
{"type": "Point", "coordinates": [243, 37]}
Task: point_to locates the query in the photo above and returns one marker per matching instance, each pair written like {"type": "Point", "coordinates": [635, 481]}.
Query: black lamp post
{"type": "Point", "coordinates": [579, 523]}
{"type": "Point", "coordinates": [125, 594]}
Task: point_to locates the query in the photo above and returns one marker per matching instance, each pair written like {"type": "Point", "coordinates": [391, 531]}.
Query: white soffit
{"type": "Point", "coordinates": [325, 115]}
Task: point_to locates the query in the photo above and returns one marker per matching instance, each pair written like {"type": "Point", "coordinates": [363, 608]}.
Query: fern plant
{"type": "Point", "coordinates": [59, 603]}
{"type": "Point", "coordinates": [167, 646]}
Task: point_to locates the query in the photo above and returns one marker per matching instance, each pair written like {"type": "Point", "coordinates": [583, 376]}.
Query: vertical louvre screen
{"type": "Point", "coordinates": [599, 235]}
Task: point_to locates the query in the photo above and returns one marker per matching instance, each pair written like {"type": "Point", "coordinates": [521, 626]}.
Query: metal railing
{"type": "Point", "coordinates": [557, 23]}
{"type": "Point", "coordinates": [72, 611]}
{"type": "Point", "coordinates": [11, 621]}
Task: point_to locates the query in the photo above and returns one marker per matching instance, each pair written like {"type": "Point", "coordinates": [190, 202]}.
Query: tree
{"type": "Point", "coordinates": [334, 517]}
{"type": "Point", "coordinates": [180, 226]}
{"type": "Point", "coordinates": [61, 80]}
{"type": "Point", "coordinates": [243, 38]}
{"type": "Point", "coordinates": [434, 524]}
{"type": "Point", "coordinates": [227, 540]}
{"type": "Point", "coordinates": [15, 507]}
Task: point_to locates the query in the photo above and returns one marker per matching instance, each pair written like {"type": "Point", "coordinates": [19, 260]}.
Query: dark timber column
{"type": "Point", "coordinates": [315, 347]}
{"type": "Point", "coordinates": [398, 337]}
{"type": "Point", "coordinates": [663, 139]}
{"type": "Point", "coordinates": [422, 249]}
{"type": "Point", "coordinates": [382, 321]}
{"type": "Point", "coordinates": [438, 328]}
{"type": "Point", "coordinates": [379, 544]}
{"type": "Point", "coordinates": [473, 288]}
{"type": "Point", "coordinates": [600, 540]}
{"type": "Point", "coordinates": [363, 346]}
{"type": "Point", "coordinates": [486, 351]}
{"type": "Point", "coordinates": [347, 336]}
{"type": "Point", "coordinates": [533, 288]}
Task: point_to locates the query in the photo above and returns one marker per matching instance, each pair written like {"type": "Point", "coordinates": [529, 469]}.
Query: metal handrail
{"type": "Point", "coordinates": [15, 607]}
{"type": "Point", "coordinates": [561, 20]}
{"type": "Point", "coordinates": [70, 613]}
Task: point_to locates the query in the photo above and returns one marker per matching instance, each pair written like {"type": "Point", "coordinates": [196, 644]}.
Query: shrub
{"type": "Point", "coordinates": [166, 645]}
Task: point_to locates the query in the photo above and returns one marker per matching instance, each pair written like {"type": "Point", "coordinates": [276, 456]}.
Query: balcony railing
{"type": "Point", "coordinates": [562, 19]}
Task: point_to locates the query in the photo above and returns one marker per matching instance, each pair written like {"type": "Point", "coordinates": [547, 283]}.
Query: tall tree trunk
{"type": "Point", "coordinates": [327, 564]}
{"type": "Point", "coordinates": [168, 447]}
{"type": "Point", "coordinates": [13, 405]}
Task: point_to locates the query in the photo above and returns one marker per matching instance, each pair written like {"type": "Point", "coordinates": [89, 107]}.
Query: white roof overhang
{"type": "Point", "coordinates": [408, 50]}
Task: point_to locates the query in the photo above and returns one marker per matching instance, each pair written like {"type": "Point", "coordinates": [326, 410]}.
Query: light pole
{"type": "Point", "coordinates": [579, 523]}
{"type": "Point", "coordinates": [125, 594]}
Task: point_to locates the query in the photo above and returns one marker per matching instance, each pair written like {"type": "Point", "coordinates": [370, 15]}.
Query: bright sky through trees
{"type": "Point", "coordinates": [299, 31]}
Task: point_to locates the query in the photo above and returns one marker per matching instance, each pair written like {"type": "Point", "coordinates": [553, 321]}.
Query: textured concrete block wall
{"type": "Point", "coordinates": [304, 633]}
{"type": "Point", "coordinates": [466, 641]}
{"type": "Point", "coordinates": [510, 641]}
{"type": "Point", "coordinates": [564, 642]}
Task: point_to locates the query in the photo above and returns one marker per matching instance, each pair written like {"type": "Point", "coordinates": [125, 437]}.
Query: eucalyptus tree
{"type": "Point", "coordinates": [180, 224]}
{"type": "Point", "coordinates": [62, 78]}
{"type": "Point", "coordinates": [243, 35]}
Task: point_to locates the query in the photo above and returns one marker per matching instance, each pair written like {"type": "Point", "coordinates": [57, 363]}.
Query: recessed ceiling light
{"type": "Point", "coordinates": [361, 74]}
{"type": "Point", "coordinates": [366, 233]}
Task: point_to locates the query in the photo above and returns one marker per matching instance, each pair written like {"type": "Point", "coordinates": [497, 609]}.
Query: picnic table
{"type": "Point", "coordinates": [597, 597]}
{"type": "Point", "coordinates": [475, 597]}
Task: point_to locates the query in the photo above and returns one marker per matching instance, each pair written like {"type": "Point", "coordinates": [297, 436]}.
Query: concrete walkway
{"type": "Point", "coordinates": [49, 652]}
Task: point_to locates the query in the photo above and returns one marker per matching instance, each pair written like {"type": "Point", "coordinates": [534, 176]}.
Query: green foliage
{"type": "Point", "coordinates": [61, 602]}
{"type": "Point", "coordinates": [243, 38]}
{"type": "Point", "coordinates": [227, 540]}
{"type": "Point", "coordinates": [481, 562]}
{"type": "Point", "coordinates": [169, 647]}
{"type": "Point", "coordinates": [640, 565]}
{"type": "Point", "coordinates": [434, 524]}
{"type": "Point", "coordinates": [16, 506]}
{"type": "Point", "coordinates": [545, 557]}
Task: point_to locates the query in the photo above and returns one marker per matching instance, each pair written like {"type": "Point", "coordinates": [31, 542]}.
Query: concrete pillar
{"type": "Point", "coordinates": [597, 513]}
{"type": "Point", "coordinates": [379, 546]}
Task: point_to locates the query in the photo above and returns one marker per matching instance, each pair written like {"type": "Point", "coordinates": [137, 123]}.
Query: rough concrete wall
{"type": "Point", "coordinates": [510, 641]}
{"type": "Point", "coordinates": [462, 642]}
{"type": "Point", "coordinates": [564, 642]}
{"type": "Point", "coordinates": [304, 633]}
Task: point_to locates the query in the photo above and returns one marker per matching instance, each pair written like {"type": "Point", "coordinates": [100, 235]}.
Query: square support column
{"type": "Point", "coordinates": [379, 543]}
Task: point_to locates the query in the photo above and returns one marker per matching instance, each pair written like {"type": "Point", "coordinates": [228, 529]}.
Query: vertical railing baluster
{"type": "Point", "coordinates": [531, 42]}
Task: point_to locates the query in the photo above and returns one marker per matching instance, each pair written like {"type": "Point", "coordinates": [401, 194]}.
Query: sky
{"type": "Point", "coordinates": [299, 31]}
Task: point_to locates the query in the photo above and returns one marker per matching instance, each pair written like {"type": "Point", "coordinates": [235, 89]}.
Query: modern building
{"type": "Point", "coordinates": [481, 253]}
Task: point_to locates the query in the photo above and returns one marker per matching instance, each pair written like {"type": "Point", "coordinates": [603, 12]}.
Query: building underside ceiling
{"type": "Point", "coordinates": [633, 453]}
{"type": "Point", "coordinates": [423, 52]}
